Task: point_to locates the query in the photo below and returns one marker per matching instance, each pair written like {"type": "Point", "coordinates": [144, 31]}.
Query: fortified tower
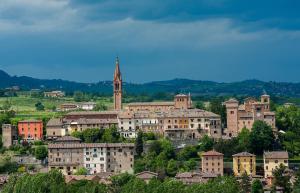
{"type": "Point", "coordinates": [117, 87]}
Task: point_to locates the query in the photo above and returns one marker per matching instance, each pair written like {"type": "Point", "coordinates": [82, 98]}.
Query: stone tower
{"type": "Point", "coordinates": [232, 106]}
{"type": "Point", "coordinates": [117, 87]}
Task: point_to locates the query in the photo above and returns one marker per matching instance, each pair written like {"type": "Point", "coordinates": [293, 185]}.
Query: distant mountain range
{"type": "Point", "coordinates": [196, 87]}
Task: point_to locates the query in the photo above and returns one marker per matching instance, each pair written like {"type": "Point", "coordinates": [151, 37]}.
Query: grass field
{"type": "Point", "coordinates": [24, 106]}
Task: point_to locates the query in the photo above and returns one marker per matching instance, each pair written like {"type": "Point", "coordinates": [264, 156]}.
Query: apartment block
{"type": "Point", "coordinates": [244, 162]}
{"type": "Point", "coordinates": [273, 159]}
{"type": "Point", "coordinates": [68, 154]}
{"type": "Point", "coordinates": [212, 162]}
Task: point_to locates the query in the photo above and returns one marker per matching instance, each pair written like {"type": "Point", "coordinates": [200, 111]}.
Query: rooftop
{"type": "Point", "coordinates": [212, 153]}
{"type": "Point", "coordinates": [87, 145]}
{"type": "Point", "coordinates": [243, 154]}
{"type": "Point", "coordinates": [276, 154]}
{"type": "Point", "coordinates": [151, 104]}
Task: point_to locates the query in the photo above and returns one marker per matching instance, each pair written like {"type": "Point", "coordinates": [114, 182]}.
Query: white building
{"type": "Point", "coordinates": [95, 159]}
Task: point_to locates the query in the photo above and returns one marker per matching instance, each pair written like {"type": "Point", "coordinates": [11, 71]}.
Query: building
{"type": "Point", "coordinates": [181, 101]}
{"type": "Point", "coordinates": [175, 124]}
{"type": "Point", "coordinates": [180, 124]}
{"type": "Point", "coordinates": [212, 162]}
{"type": "Point", "coordinates": [54, 94]}
{"type": "Point", "coordinates": [9, 134]}
{"type": "Point", "coordinates": [273, 159]}
{"type": "Point", "coordinates": [243, 116]}
{"type": "Point", "coordinates": [68, 154]}
{"type": "Point", "coordinates": [146, 176]}
{"type": "Point", "coordinates": [244, 162]}
{"type": "Point", "coordinates": [190, 178]}
{"type": "Point", "coordinates": [86, 106]}
{"type": "Point", "coordinates": [30, 130]}
{"type": "Point", "coordinates": [117, 87]}
{"type": "Point", "coordinates": [80, 121]}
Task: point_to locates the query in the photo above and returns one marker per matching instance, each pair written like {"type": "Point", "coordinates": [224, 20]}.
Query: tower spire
{"type": "Point", "coordinates": [117, 86]}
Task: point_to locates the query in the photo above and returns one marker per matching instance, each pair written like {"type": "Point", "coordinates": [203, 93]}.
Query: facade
{"type": "Point", "coordinates": [175, 124]}
{"type": "Point", "coordinates": [181, 101]}
{"type": "Point", "coordinates": [117, 87]}
{"type": "Point", "coordinates": [189, 124]}
{"type": "Point", "coordinates": [80, 121]}
{"type": "Point", "coordinates": [68, 155]}
{"type": "Point", "coordinates": [273, 159]}
{"type": "Point", "coordinates": [9, 134]}
{"type": "Point", "coordinates": [54, 94]}
{"type": "Point", "coordinates": [243, 116]}
{"type": "Point", "coordinates": [212, 162]}
{"type": "Point", "coordinates": [30, 130]}
{"type": "Point", "coordinates": [244, 163]}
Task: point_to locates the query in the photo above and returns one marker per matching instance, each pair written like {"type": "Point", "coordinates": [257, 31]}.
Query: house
{"type": "Point", "coordinates": [244, 162]}
{"type": "Point", "coordinates": [212, 162]}
{"type": "Point", "coordinates": [146, 176]}
{"type": "Point", "coordinates": [30, 130]}
{"type": "Point", "coordinates": [54, 94]}
{"type": "Point", "coordinates": [272, 160]}
{"type": "Point", "coordinates": [194, 177]}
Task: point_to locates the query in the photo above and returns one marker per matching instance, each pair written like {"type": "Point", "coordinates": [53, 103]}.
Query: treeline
{"type": "Point", "coordinates": [54, 182]}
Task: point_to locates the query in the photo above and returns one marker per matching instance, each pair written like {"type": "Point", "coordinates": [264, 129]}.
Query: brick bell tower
{"type": "Point", "coordinates": [117, 87]}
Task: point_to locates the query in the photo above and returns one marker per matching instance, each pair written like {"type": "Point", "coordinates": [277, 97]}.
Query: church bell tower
{"type": "Point", "coordinates": [117, 87]}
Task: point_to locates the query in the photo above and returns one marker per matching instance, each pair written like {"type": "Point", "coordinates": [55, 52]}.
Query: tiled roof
{"type": "Point", "coordinates": [146, 175]}
{"type": "Point", "coordinates": [232, 100]}
{"type": "Point", "coordinates": [84, 121]}
{"type": "Point", "coordinates": [212, 153]}
{"type": "Point", "coordinates": [31, 121]}
{"type": "Point", "coordinates": [243, 154]}
{"type": "Point", "coordinates": [93, 113]}
{"type": "Point", "coordinates": [87, 145]}
{"type": "Point", "coordinates": [54, 122]}
{"type": "Point", "coordinates": [151, 104]}
{"type": "Point", "coordinates": [276, 154]}
{"type": "Point", "coordinates": [67, 139]}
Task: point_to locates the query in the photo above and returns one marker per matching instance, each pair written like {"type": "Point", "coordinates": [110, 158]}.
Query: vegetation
{"type": "Point", "coordinates": [41, 152]}
{"type": "Point", "coordinates": [82, 171]}
{"type": "Point", "coordinates": [282, 179]}
{"type": "Point", "coordinates": [109, 135]}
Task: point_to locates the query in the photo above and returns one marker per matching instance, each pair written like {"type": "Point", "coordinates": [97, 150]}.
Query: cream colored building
{"type": "Point", "coordinates": [244, 162]}
{"type": "Point", "coordinates": [212, 162]}
{"type": "Point", "coordinates": [272, 161]}
{"type": "Point", "coordinates": [243, 116]}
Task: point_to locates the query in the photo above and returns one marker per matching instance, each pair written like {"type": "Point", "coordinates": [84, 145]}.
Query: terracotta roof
{"type": "Point", "coordinates": [87, 145]}
{"type": "Point", "coordinates": [84, 121]}
{"type": "Point", "coordinates": [276, 154]}
{"type": "Point", "coordinates": [212, 153]}
{"type": "Point", "coordinates": [209, 175]}
{"type": "Point", "coordinates": [151, 104]}
{"type": "Point", "coordinates": [30, 121]}
{"type": "Point", "coordinates": [93, 113]}
{"type": "Point", "coordinates": [146, 175]}
{"type": "Point", "coordinates": [243, 154]}
{"type": "Point", "coordinates": [54, 122]}
{"type": "Point", "coordinates": [67, 139]}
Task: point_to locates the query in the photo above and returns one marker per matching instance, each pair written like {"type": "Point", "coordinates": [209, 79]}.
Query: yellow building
{"type": "Point", "coordinates": [272, 161]}
{"type": "Point", "coordinates": [244, 163]}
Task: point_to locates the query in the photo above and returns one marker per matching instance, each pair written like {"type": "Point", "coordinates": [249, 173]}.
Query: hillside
{"type": "Point", "coordinates": [196, 87]}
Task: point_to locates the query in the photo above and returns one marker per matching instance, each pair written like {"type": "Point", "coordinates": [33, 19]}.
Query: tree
{"type": "Point", "coordinates": [217, 107]}
{"type": "Point", "coordinates": [172, 167]}
{"type": "Point", "coordinates": [100, 107]}
{"type": "Point", "coordinates": [41, 152]}
{"type": "Point", "coordinates": [282, 178]}
{"type": "Point", "coordinates": [200, 105]}
{"type": "Point", "coordinates": [244, 139]}
{"type": "Point", "coordinates": [79, 96]}
{"type": "Point", "coordinates": [81, 171]}
{"type": "Point", "coordinates": [139, 144]}
{"type": "Point", "coordinates": [297, 183]}
{"type": "Point", "coordinates": [245, 183]}
{"type": "Point", "coordinates": [257, 187]}
{"type": "Point", "coordinates": [7, 105]}
{"type": "Point", "coordinates": [206, 143]}
{"type": "Point", "coordinates": [39, 106]}
{"type": "Point", "coordinates": [261, 137]}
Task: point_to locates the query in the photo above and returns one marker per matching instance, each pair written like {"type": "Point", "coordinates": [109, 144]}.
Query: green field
{"type": "Point", "coordinates": [24, 106]}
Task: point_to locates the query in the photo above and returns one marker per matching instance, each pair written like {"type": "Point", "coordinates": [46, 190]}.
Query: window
{"type": "Point", "coordinates": [232, 112]}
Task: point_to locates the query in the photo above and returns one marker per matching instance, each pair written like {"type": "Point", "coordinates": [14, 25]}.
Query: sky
{"type": "Point", "coordinates": [218, 40]}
